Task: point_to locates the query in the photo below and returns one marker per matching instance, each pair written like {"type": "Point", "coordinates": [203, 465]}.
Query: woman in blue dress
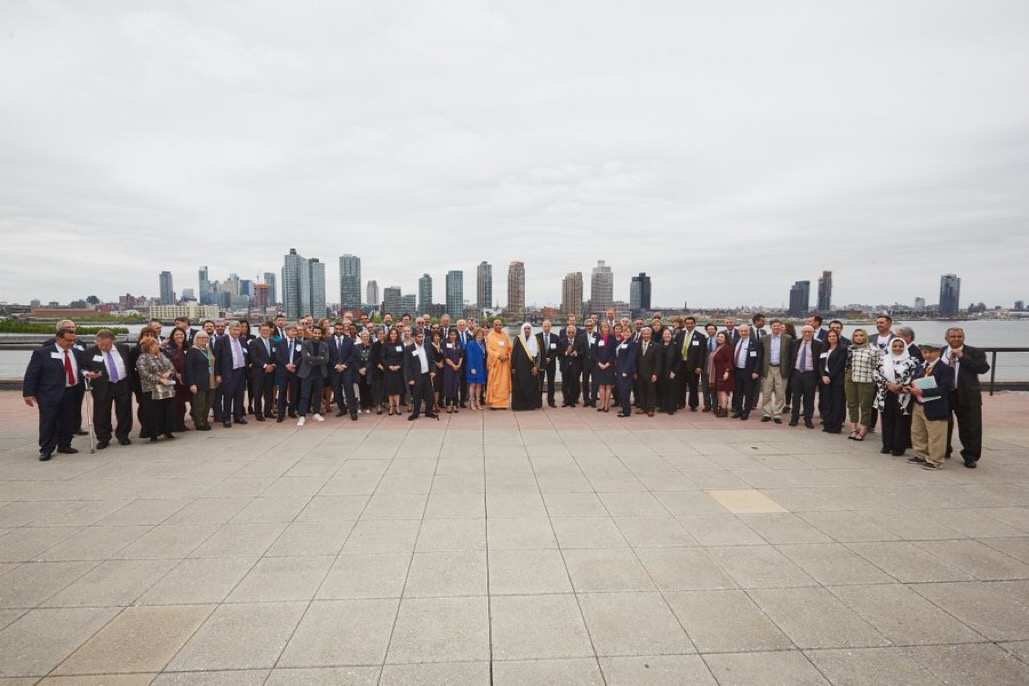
{"type": "Point", "coordinates": [475, 368]}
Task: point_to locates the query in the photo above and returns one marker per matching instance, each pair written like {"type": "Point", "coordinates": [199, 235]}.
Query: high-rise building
{"type": "Point", "coordinates": [919, 304]}
{"type": "Point", "coordinates": [246, 287]}
{"type": "Point", "coordinates": [800, 298]}
{"type": "Point", "coordinates": [950, 295]}
{"type": "Point", "coordinates": [270, 280]}
{"type": "Point", "coordinates": [424, 293]}
{"type": "Point", "coordinates": [407, 304]}
{"type": "Point", "coordinates": [204, 289]}
{"type": "Point", "coordinates": [167, 291]}
{"type": "Point", "coordinates": [639, 294]}
{"type": "Point", "coordinates": [515, 291]}
{"type": "Point", "coordinates": [318, 308]}
{"type": "Point", "coordinates": [391, 301]}
{"type": "Point", "coordinates": [372, 294]}
{"type": "Point", "coordinates": [296, 286]}
{"type": "Point", "coordinates": [484, 286]}
{"type": "Point", "coordinates": [349, 282]}
{"type": "Point", "coordinates": [261, 294]}
{"type": "Point", "coordinates": [571, 294]}
{"type": "Point", "coordinates": [825, 292]}
{"type": "Point", "coordinates": [455, 294]}
{"type": "Point", "coordinates": [602, 287]}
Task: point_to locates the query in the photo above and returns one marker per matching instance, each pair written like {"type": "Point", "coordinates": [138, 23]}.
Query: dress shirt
{"type": "Point", "coordinates": [237, 353]}
{"type": "Point", "coordinates": [804, 363]}
{"type": "Point", "coordinates": [776, 350]}
{"type": "Point", "coordinates": [742, 349]}
{"type": "Point", "coordinates": [422, 358]}
{"type": "Point", "coordinates": [70, 357]}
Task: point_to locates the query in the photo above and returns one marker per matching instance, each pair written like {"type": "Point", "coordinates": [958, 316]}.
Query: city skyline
{"type": "Point", "coordinates": [701, 144]}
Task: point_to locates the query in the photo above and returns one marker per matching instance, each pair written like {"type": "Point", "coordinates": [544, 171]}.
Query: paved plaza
{"type": "Point", "coordinates": [557, 547]}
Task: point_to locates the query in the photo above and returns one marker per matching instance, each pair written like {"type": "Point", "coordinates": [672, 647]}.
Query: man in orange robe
{"type": "Point", "coordinates": [498, 365]}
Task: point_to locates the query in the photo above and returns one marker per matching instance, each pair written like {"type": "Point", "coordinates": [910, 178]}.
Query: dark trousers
{"type": "Point", "coordinates": [343, 391]}
{"type": "Point", "coordinates": [969, 419]}
{"type": "Point", "coordinates": [546, 376]}
{"type": "Point", "coordinates": [219, 401]}
{"type": "Point", "coordinates": [835, 406]}
{"type": "Point", "coordinates": [201, 408]}
{"type": "Point", "coordinates": [646, 394]}
{"type": "Point", "coordinates": [896, 426]}
{"type": "Point", "coordinates": [158, 416]}
{"type": "Point", "coordinates": [57, 421]}
{"type": "Point", "coordinates": [668, 394]}
{"type": "Point", "coordinates": [624, 386]}
{"type": "Point", "coordinates": [289, 385]}
{"type": "Point", "coordinates": [745, 394]}
{"type": "Point", "coordinates": [119, 397]}
{"type": "Point", "coordinates": [80, 393]}
{"type": "Point", "coordinates": [589, 396]}
{"type": "Point", "coordinates": [264, 391]}
{"type": "Point", "coordinates": [804, 384]}
{"type": "Point", "coordinates": [710, 394]}
{"type": "Point", "coordinates": [421, 391]}
{"type": "Point", "coordinates": [570, 376]}
{"type": "Point", "coordinates": [232, 394]}
{"type": "Point", "coordinates": [310, 393]}
{"type": "Point", "coordinates": [689, 388]}
{"type": "Point", "coordinates": [364, 389]}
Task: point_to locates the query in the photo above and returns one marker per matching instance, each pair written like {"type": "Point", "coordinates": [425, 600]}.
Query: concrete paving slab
{"type": "Point", "coordinates": [633, 624]}
{"type": "Point", "coordinates": [533, 627]}
{"type": "Point", "coordinates": [342, 632]}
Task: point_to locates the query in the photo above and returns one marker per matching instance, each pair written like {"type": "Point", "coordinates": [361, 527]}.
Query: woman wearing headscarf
{"type": "Point", "coordinates": [525, 364]}
{"type": "Point", "coordinates": [475, 367]}
{"type": "Point", "coordinates": [894, 371]}
{"type": "Point", "coordinates": [859, 382]}
{"type": "Point", "coordinates": [498, 367]}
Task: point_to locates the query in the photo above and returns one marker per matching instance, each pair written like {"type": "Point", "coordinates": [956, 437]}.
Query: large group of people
{"type": "Point", "coordinates": [222, 372]}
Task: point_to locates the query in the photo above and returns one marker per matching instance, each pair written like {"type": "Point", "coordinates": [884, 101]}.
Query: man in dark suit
{"type": "Point", "coordinates": [815, 322]}
{"type": "Point", "coordinates": [343, 360]}
{"type": "Point", "coordinates": [464, 337]}
{"type": "Point", "coordinates": [966, 400]}
{"type": "Point", "coordinates": [707, 388]}
{"type": "Point", "coordinates": [625, 371]}
{"type": "Point", "coordinates": [732, 334]}
{"type": "Point", "coordinates": [313, 371]}
{"type": "Point", "coordinates": [747, 357]}
{"type": "Point", "coordinates": [757, 326]}
{"type": "Point", "coordinates": [419, 371]}
{"type": "Point", "coordinates": [262, 372]}
{"type": "Point", "coordinates": [693, 346]}
{"type": "Point", "coordinates": [287, 361]}
{"type": "Point", "coordinates": [548, 343]}
{"type": "Point", "coordinates": [52, 381]}
{"type": "Point", "coordinates": [775, 371]}
{"type": "Point", "coordinates": [572, 350]}
{"type": "Point", "coordinates": [230, 356]}
{"type": "Point", "coordinates": [112, 388]}
{"type": "Point", "coordinates": [803, 362]}
{"type": "Point", "coordinates": [648, 371]}
{"type": "Point", "coordinates": [589, 396]}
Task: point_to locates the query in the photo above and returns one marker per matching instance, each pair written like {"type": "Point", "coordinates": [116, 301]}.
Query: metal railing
{"type": "Point", "coordinates": [993, 362]}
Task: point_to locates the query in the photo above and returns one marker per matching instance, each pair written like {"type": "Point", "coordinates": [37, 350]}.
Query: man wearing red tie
{"type": "Point", "coordinates": [52, 382]}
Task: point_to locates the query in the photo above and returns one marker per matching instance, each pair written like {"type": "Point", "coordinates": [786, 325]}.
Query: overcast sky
{"type": "Point", "coordinates": [725, 148]}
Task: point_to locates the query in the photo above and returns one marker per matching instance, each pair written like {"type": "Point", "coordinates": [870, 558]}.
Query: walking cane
{"type": "Point", "coordinates": [89, 416]}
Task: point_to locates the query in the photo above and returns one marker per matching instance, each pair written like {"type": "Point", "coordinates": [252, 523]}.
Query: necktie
{"type": "Point", "coordinates": [268, 347]}
{"type": "Point", "coordinates": [112, 368]}
{"type": "Point", "coordinates": [67, 369]}
{"type": "Point", "coordinates": [739, 346]}
{"type": "Point", "coordinates": [644, 348]}
{"type": "Point", "coordinates": [289, 342]}
{"type": "Point", "coordinates": [803, 356]}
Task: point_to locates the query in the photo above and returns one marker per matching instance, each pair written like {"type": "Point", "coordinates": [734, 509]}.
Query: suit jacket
{"type": "Point", "coordinates": [100, 383]}
{"type": "Point", "coordinates": [283, 351]}
{"type": "Point", "coordinates": [195, 369]}
{"type": "Point", "coordinates": [259, 356]}
{"type": "Point", "coordinates": [625, 359]}
{"type": "Point", "coordinates": [223, 356]}
{"type": "Point", "coordinates": [816, 351]}
{"type": "Point", "coordinates": [755, 356]}
{"type": "Point", "coordinates": [648, 364]}
{"type": "Point", "coordinates": [671, 359]}
{"type": "Point", "coordinates": [576, 353]}
{"type": "Point", "coordinates": [412, 365]}
{"type": "Point", "coordinates": [696, 353]}
{"type": "Point", "coordinates": [785, 347]}
{"type": "Point", "coordinates": [973, 363]}
{"type": "Point", "coordinates": [944, 375]}
{"type": "Point", "coordinates": [543, 342]}
{"type": "Point", "coordinates": [45, 378]}
{"type": "Point", "coordinates": [836, 363]}
{"type": "Point", "coordinates": [734, 336]}
{"type": "Point", "coordinates": [344, 353]}
{"type": "Point", "coordinates": [314, 359]}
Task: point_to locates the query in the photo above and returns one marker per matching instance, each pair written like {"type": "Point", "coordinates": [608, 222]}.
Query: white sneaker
{"type": "Point", "coordinates": [318, 417]}
{"type": "Point", "coordinates": [302, 420]}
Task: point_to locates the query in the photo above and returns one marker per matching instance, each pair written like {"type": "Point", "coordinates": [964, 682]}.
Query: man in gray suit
{"type": "Point", "coordinates": [775, 372]}
{"type": "Point", "coordinates": [314, 370]}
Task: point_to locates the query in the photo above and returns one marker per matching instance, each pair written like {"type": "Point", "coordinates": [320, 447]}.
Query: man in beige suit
{"type": "Point", "coordinates": [775, 371]}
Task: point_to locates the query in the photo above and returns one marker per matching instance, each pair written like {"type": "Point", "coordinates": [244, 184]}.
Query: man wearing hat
{"type": "Point", "coordinates": [930, 387]}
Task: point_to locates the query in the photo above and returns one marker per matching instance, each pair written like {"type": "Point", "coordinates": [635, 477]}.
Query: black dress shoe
{"type": "Point", "coordinates": [551, 403]}
{"type": "Point", "coordinates": [269, 415]}
{"type": "Point", "coordinates": [693, 409]}
{"type": "Point", "coordinates": [745, 416]}
{"type": "Point", "coordinates": [809, 424]}
{"type": "Point", "coordinates": [292, 415]}
{"type": "Point", "coordinates": [67, 450]}
{"type": "Point", "coordinates": [353, 417]}
{"type": "Point", "coordinates": [777, 420]}
{"type": "Point", "coordinates": [227, 425]}
{"type": "Point", "coordinates": [432, 415]}
{"type": "Point", "coordinates": [43, 457]}
{"type": "Point", "coordinates": [793, 422]}
{"type": "Point", "coordinates": [124, 441]}
{"type": "Point", "coordinates": [259, 417]}
{"type": "Point", "coordinates": [766, 419]}
{"type": "Point", "coordinates": [971, 464]}
{"type": "Point", "coordinates": [80, 432]}
{"type": "Point", "coordinates": [241, 420]}
{"type": "Point", "coordinates": [278, 420]}
{"type": "Point", "coordinates": [102, 444]}
{"type": "Point", "coordinates": [153, 439]}
{"type": "Point", "coordinates": [885, 451]}
{"type": "Point", "coordinates": [411, 418]}
{"type": "Point", "coordinates": [340, 413]}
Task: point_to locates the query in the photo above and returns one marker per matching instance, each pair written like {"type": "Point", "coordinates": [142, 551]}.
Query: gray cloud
{"type": "Point", "coordinates": [726, 149]}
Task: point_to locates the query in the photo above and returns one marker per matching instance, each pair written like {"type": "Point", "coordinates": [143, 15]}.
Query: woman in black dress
{"type": "Point", "coordinates": [671, 365]}
{"type": "Point", "coordinates": [437, 381]}
{"type": "Point", "coordinates": [364, 371]}
{"type": "Point", "coordinates": [378, 377]}
{"type": "Point", "coordinates": [393, 369]}
{"type": "Point", "coordinates": [453, 369]}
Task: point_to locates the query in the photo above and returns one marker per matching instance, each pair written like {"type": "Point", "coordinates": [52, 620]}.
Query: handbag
{"type": "Point", "coordinates": [162, 392]}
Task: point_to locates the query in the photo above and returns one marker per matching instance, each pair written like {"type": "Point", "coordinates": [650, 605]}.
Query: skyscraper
{"type": "Point", "coordinates": [571, 294]}
{"type": "Point", "coordinates": [318, 308]}
{"type": "Point", "coordinates": [204, 290]}
{"type": "Point", "coordinates": [825, 292]}
{"type": "Point", "coordinates": [261, 293]}
{"type": "Point", "coordinates": [372, 295]}
{"type": "Point", "coordinates": [391, 301]}
{"type": "Point", "coordinates": [407, 304]}
{"type": "Point", "coordinates": [455, 294]}
{"type": "Point", "coordinates": [800, 298]}
{"type": "Point", "coordinates": [269, 278]}
{"type": "Point", "coordinates": [484, 286]}
{"type": "Point", "coordinates": [950, 295]}
{"type": "Point", "coordinates": [639, 294]}
{"type": "Point", "coordinates": [602, 287]}
{"type": "Point", "coordinates": [515, 290]}
{"type": "Point", "coordinates": [296, 286]}
{"type": "Point", "coordinates": [167, 291]}
{"type": "Point", "coordinates": [424, 293]}
{"type": "Point", "coordinates": [349, 282]}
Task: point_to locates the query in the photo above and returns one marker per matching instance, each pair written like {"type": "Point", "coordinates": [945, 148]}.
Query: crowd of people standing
{"type": "Point", "coordinates": [223, 372]}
